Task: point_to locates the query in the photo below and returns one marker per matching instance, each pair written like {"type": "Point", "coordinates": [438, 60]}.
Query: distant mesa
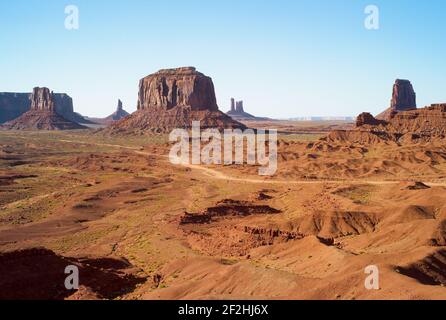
{"type": "Point", "coordinates": [119, 114]}
{"type": "Point", "coordinates": [404, 98]}
{"type": "Point", "coordinates": [174, 98]}
{"type": "Point", "coordinates": [42, 115]}
{"type": "Point", "coordinates": [13, 105]}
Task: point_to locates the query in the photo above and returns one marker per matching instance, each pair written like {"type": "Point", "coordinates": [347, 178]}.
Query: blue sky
{"type": "Point", "coordinates": [283, 58]}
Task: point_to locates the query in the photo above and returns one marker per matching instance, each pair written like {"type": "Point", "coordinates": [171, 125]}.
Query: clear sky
{"type": "Point", "coordinates": [283, 58]}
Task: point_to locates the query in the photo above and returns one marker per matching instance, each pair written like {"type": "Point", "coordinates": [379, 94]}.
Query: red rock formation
{"type": "Point", "coordinates": [403, 99]}
{"type": "Point", "coordinates": [238, 113]}
{"type": "Point", "coordinates": [239, 107]}
{"type": "Point", "coordinates": [232, 105]}
{"type": "Point", "coordinates": [119, 114]}
{"type": "Point", "coordinates": [366, 118]}
{"type": "Point", "coordinates": [13, 105]}
{"type": "Point", "coordinates": [429, 121]}
{"type": "Point", "coordinates": [42, 99]}
{"type": "Point", "coordinates": [172, 99]}
{"type": "Point", "coordinates": [182, 87]}
{"type": "Point", "coordinates": [42, 115]}
{"type": "Point", "coordinates": [418, 125]}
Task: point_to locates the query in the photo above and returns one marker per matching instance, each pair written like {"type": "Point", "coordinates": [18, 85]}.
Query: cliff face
{"type": "Point", "coordinates": [426, 121]}
{"type": "Point", "coordinates": [174, 98]}
{"type": "Point", "coordinates": [366, 118]}
{"type": "Point", "coordinates": [42, 115]}
{"type": "Point", "coordinates": [13, 105]}
{"type": "Point", "coordinates": [182, 87]}
{"type": "Point", "coordinates": [403, 98]}
{"type": "Point", "coordinates": [42, 100]}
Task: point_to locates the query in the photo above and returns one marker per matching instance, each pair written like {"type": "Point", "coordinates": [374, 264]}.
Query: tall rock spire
{"type": "Point", "coordinates": [403, 96]}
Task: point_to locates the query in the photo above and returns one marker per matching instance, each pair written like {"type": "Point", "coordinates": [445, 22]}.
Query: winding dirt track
{"type": "Point", "coordinates": [215, 174]}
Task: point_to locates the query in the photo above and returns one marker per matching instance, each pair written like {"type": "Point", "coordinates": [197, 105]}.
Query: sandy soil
{"type": "Point", "coordinates": [139, 227]}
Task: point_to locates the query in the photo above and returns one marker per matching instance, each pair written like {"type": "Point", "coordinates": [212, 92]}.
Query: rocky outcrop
{"type": "Point", "coordinates": [42, 115]}
{"type": "Point", "coordinates": [120, 107]}
{"type": "Point", "coordinates": [426, 122]}
{"type": "Point", "coordinates": [401, 123]}
{"type": "Point", "coordinates": [238, 113]}
{"type": "Point", "coordinates": [119, 114]}
{"type": "Point", "coordinates": [42, 100]}
{"type": "Point", "coordinates": [239, 107]}
{"type": "Point", "coordinates": [366, 118]}
{"type": "Point", "coordinates": [174, 98]}
{"type": "Point", "coordinates": [182, 87]}
{"type": "Point", "coordinates": [63, 104]}
{"type": "Point", "coordinates": [422, 125]}
{"type": "Point", "coordinates": [403, 98]}
{"type": "Point", "coordinates": [13, 105]}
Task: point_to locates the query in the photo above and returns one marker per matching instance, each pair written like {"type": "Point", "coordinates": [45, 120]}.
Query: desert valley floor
{"type": "Point", "coordinates": [139, 227]}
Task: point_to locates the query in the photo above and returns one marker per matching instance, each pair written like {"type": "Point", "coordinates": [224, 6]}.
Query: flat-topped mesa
{"type": "Point", "coordinates": [42, 100]}
{"type": "Point", "coordinates": [181, 87]}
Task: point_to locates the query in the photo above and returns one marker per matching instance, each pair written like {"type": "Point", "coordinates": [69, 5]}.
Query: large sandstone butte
{"type": "Point", "coordinates": [42, 115]}
{"type": "Point", "coordinates": [182, 87]}
{"type": "Point", "coordinates": [173, 98]}
{"type": "Point", "coordinates": [13, 105]}
{"type": "Point", "coordinates": [404, 98]}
